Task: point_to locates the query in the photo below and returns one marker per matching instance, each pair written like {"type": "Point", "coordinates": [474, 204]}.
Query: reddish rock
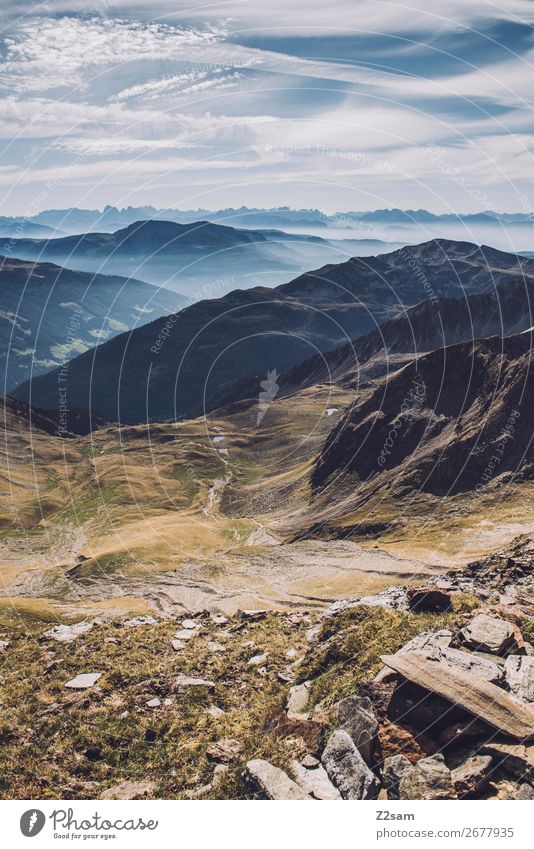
{"type": "Point", "coordinates": [307, 730]}
{"type": "Point", "coordinates": [395, 739]}
{"type": "Point", "coordinates": [428, 599]}
{"type": "Point", "coordinates": [472, 776]}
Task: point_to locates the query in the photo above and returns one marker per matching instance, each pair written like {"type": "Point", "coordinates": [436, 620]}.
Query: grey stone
{"type": "Point", "coordinates": [257, 660]}
{"type": "Point", "coordinates": [347, 769]}
{"type": "Point", "coordinates": [185, 635]}
{"type": "Point", "coordinates": [183, 682]}
{"type": "Point", "coordinates": [429, 778]}
{"type": "Point", "coordinates": [67, 633]}
{"type": "Point", "coordinates": [314, 781]}
{"type": "Point", "coordinates": [357, 718]}
{"type": "Point", "coordinates": [473, 775]}
{"type": "Point", "coordinates": [393, 769]}
{"type": "Point", "coordinates": [437, 646]}
{"type": "Point", "coordinates": [178, 645]}
{"type": "Point", "coordinates": [272, 783]}
{"type": "Point", "coordinates": [140, 620]}
{"type": "Point", "coordinates": [394, 598]}
{"type": "Point", "coordinates": [214, 711]}
{"type": "Point", "coordinates": [426, 642]}
{"type": "Point", "coordinates": [252, 615]}
{"type": "Point", "coordinates": [515, 758]}
{"type": "Point", "coordinates": [83, 681]}
{"type": "Point", "coordinates": [473, 663]}
{"type": "Point", "coordinates": [218, 619]}
{"type": "Point", "coordinates": [298, 701]}
{"type": "Point", "coordinates": [490, 634]}
{"type": "Point", "coordinates": [154, 703]}
{"type": "Point", "coordinates": [190, 624]}
{"type": "Point", "coordinates": [519, 674]}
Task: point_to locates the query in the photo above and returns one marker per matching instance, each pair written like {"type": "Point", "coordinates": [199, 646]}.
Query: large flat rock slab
{"type": "Point", "coordinates": [481, 698]}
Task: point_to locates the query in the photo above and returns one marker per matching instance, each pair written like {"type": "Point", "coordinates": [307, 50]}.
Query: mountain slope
{"type": "Point", "coordinates": [171, 369]}
{"type": "Point", "coordinates": [49, 314]}
{"type": "Point", "coordinates": [427, 326]}
{"type": "Point", "coordinates": [181, 255]}
{"type": "Point", "coordinates": [452, 421]}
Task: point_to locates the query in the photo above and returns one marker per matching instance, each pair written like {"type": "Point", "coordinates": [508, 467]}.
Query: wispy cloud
{"type": "Point", "coordinates": [346, 96]}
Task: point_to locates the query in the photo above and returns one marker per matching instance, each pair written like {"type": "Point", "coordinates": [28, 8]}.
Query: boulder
{"type": "Point", "coordinates": [472, 776]}
{"type": "Point", "coordinates": [430, 778]}
{"type": "Point", "coordinates": [472, 662]}
{"type": "Point", "coordinates": [257, 659]}
{"type": "Point", "coordinates": [314, 781]}
{"type": "Point", "coordinates": [428, 599]}
{"type": "Point", "coordinates": [357, 718]}
{"type": "Point", "coordinates": [67, 633]}
{"type": "Point", "coordinates": [519, 674]}
{"type": "Point", "coordinates": [517, 759]}
{"type": "Point", "coordinates": [178, 645]}
{"type": "Point", "coordinates": [83, 681]}
{"type": "Point", "coordinates": [190, 624]}
{"type": "Point", "coordinates": [272, 783]}
{"type": "Point", "coordinates": [393, 769]}
{"type": "Point", "coordinates": [252, 615]}
{"type": "Point", "coordinates": [481, 698]}
{"type": "Point", "coordinates": [298, 701]}
{"type": "Point", "coordinates": [425, 642]}
{"type": "Point", "coordinates": [347, 769]}
{"type": "Point", "coordinates": [138, 621]}
{"type": "Point", "coordinates": [393, 598]}
{"type": "Point", "coordinates": [186, 634]}
{"type": "Point", "coordinates": [492, 635]}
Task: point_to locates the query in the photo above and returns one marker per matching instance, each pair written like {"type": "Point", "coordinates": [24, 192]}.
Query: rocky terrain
{"type": "Point", "coordinates": [419, 692]}
{"type": "Point", "coordinates": [320, 589]}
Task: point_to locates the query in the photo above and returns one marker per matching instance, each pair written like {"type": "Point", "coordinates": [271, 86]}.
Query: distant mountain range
{"type": "Point", "coordinates": [111, 218]}
{"type": "Point", "coordinates": [175, 368]}
{"type": "Point", "coordinates": [49, 314]}
{"type": "Point", "coordinates": [183, 257]}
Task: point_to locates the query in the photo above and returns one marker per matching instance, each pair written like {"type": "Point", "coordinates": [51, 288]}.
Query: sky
{"type": "Point", "coordinates": [345, 105]}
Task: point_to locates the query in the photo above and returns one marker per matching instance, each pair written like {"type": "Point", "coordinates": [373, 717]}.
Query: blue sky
{"type": "Point", "coordinates": [346, 105]}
